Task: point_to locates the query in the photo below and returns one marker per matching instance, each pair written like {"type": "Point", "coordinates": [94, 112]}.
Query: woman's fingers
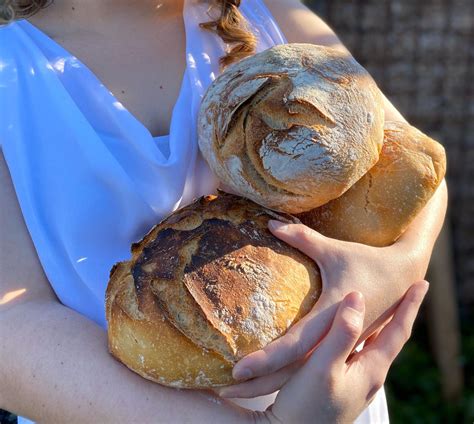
{"type": "Point", "coordinates": [262, 385]}
{"type": "Point", "coordinates": [293, 346]}
{"type": "Point", "coordinates": [305, 239]}
{"type": "Point", "coordinates": [345, 331]}
{"type": "Point", "coordinates": [315, 390]}
{"type": "Point", "coordinates": [335, 348]}
{"type": "Point", "coordinates": [384, 349]}
{"type": "Point", "coordinates": [337, 345]}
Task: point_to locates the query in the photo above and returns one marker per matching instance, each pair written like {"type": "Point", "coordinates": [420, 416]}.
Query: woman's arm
{"type": "Point", "coordinates": [381, 274]}
{"type": "Point", "coordinates": [54, 363]}
{"type": "Point", "coordinates": [55, 367]}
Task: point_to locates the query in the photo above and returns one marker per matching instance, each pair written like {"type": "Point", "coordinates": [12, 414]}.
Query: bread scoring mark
{"type": "Point", "coordinates": [250, 182]}
{"type": "Point", "coordinates": [332, 75]}
{"type": "Point", "coordinates": [234, 165]}
{"type": "Point", "coordinates": [288, 156]}
{"type": "Point", "coordinates": [171, 295]}
{"type": "Point", "coordinates": [237, 96]}
{"type": "Point", "coordinates": [317, 93]}
{"type": "Point", "coordinates": [229, 263]}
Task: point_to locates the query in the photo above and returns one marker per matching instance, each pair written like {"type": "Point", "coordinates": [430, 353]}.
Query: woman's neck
{"type": "Point", "coordinates": [103, 10]}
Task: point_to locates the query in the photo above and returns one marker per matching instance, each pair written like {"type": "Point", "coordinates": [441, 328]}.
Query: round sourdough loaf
{"type": "Point", "coordinates": [292, 127]}
{"type": "Point", "coordinates": [378, 208]}
{"type": "Point", "coordinates": [203, 288]}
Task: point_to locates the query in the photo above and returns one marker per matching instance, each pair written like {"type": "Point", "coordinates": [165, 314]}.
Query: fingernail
{"type": "Point", "coordinates": [421, 293]}
{"type": "Point", "coordinates": [242, 374]}
{"type": "Point", "coordinates": [355, 300]}
{"type": "Point", "coordinates": [273, 224]}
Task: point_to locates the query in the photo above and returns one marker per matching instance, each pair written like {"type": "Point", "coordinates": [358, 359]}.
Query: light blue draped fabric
{"type": "Point", "coordinates": [89, 177]}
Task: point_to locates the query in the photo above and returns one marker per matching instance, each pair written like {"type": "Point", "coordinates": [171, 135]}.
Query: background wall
{"type": "Point", "coordinates": [421, 53]}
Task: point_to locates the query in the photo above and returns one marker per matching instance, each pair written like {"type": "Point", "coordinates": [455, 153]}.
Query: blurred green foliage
{"type": "Point", "coordinates": [414, 388]}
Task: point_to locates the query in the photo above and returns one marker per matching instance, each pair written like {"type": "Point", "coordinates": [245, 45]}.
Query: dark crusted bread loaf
{"type": "Point", "coordinates": [292, 127]}
{"type": "Point", "coordinates": [205, 287]}
{"type": "Point", "coordinates": [378, 208]}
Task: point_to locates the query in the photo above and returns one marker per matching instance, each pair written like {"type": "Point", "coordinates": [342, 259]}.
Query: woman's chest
{"type": "Point", "coordinates": [142, 65]}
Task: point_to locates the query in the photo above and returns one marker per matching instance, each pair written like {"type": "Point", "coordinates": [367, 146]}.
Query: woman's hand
{"type": "Point", "coordinates": [382, 275]}
{"type": "Point", "coordinates": [335, 384]}
{"type": "Point", "coordinates": [345, 267]}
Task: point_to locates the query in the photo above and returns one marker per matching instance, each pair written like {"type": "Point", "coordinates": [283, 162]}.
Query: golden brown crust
{"type": "Point", "coordinates": [292, 127]}
{"type": "Point", "coordinates": [205, 287]}
{"type": "Point", "coordinates": [379, 207]}
{"type": "Point", "coordinates": [143, 339]}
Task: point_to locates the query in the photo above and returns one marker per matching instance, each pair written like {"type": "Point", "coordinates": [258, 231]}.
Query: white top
{"type": "Point", "coordinates": [89, 177]}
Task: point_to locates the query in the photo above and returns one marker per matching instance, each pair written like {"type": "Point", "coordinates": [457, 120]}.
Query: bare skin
{"type": "Point", "coordinates": [140, 70]}
{"type": "Point", "coordinates": [69, 376]}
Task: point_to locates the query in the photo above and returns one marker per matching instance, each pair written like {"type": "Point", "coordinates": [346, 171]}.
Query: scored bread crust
{"type": "Point", "coordinates": [379, 207]}
{"type": "Point", "coordinates": [292, 127]}
{"type": "Point", "coordinates": [203, 288]}
{"type": "Point", "coordinates": [140, 336]}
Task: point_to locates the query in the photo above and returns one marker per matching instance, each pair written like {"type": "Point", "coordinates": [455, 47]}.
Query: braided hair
{"type": "Point", "coordinates": [231, 27]}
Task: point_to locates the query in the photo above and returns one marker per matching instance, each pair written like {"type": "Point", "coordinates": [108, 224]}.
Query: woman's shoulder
{"type": "Point", "coordinates": [299, 24]}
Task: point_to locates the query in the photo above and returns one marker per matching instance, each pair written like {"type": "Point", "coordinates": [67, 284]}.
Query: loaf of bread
{"type": "Point", "coordinates": [378, 208]}
{"type": "Point", "coordinates": [297, 129]}
{"type": "Point", "coordinates": [292, 127]}
{"type": "Point", "coordinates": [203, 288]}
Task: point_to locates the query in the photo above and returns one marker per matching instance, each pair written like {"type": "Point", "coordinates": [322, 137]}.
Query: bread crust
{"type": "Point", "coordinates": [205, 287]}
{"type": "Point", "coordinates": [292, 127]}
{"type": "Point", "coordinates": [378, 208]}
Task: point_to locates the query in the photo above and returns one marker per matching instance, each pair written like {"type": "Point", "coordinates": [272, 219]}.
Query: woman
{"type": "Point", "coordinates": [92, 175]}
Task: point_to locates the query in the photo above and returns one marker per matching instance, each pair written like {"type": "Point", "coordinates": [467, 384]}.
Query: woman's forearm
{"type": "Point", "coordinates": [420, 237]}
{"type": "Point", "coordinates": [55, 367]}
{"type": "Point", "coordinates": [410, 256]}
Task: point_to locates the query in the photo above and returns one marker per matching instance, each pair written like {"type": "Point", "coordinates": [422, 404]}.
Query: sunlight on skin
{"type": "Point", "coordinates": [8, 297]}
